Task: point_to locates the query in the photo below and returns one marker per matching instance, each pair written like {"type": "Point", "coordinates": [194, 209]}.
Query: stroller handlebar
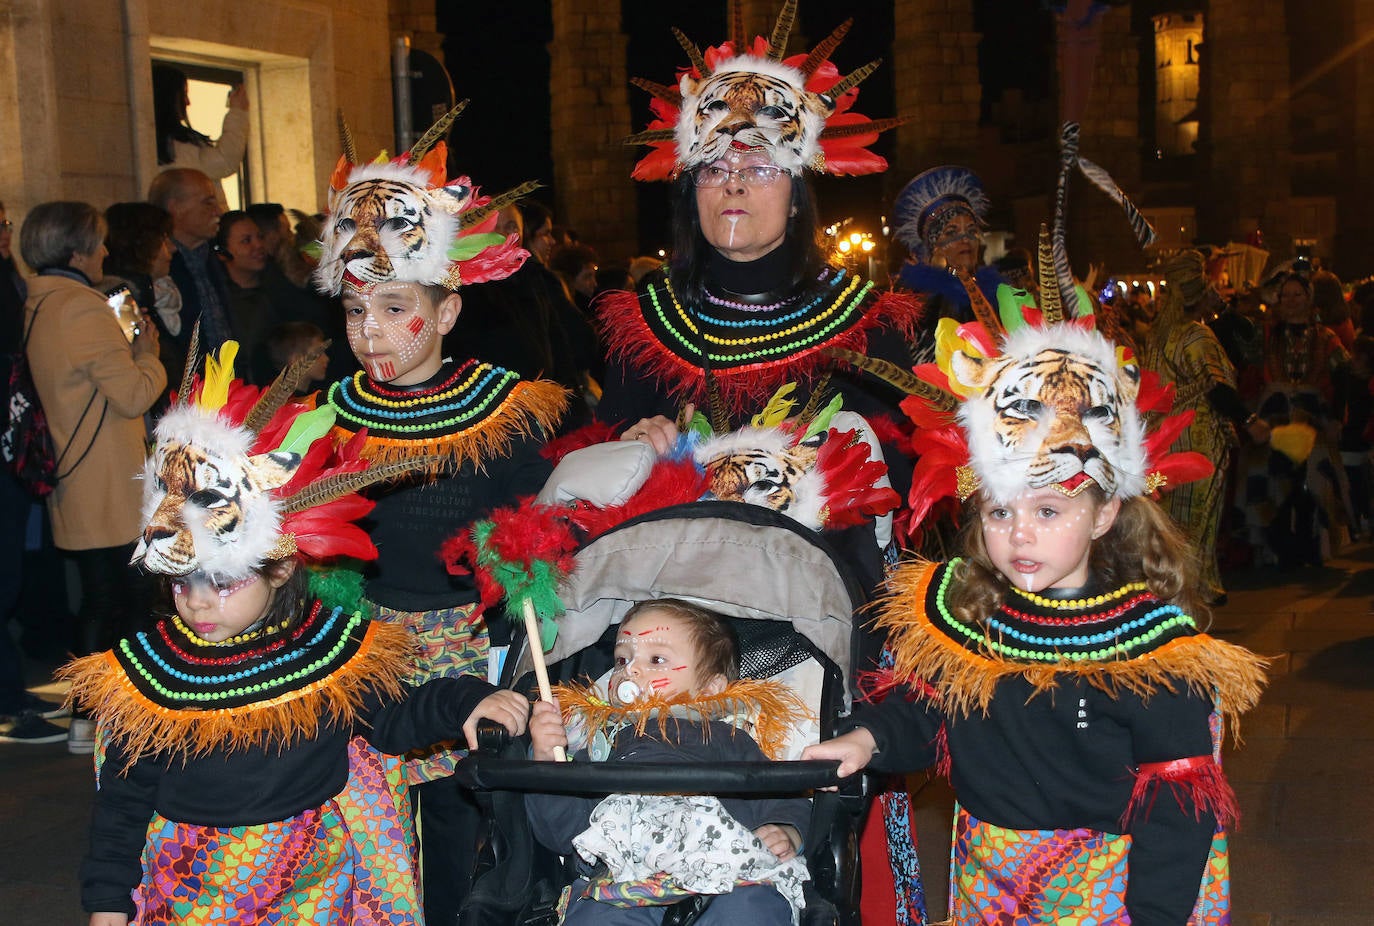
{"type": "Point", "coordinates": [488, 773]}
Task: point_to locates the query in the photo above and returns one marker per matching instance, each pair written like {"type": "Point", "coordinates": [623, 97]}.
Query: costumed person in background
{"type": "Point", "coordinates": [1057, 672]}
{"type": "Point", "coordinates": [675, 692]}
{"type": "Point", "coordinates": [940, 217]}
{"type": "Point", "coordinates": [750, 303]}
{"type": "Point", "coordinates": [400, 240]}
{"type": "Point", "coordinates": [1185, 352]}
{"type": "Point", "coordinates": [248, 768]}
{"type": "Point", "coordinates": [1295, 494]}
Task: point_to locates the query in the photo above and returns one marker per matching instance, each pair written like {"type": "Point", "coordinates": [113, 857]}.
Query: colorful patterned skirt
{"type": "Point", "coordinates": [348, 861]}
{"type": "Point", "coordinates": [451, 642]}
{"type": "Point", "coordinates": [1068, 877]}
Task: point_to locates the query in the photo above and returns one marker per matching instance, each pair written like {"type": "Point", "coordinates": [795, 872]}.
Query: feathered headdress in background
{"type": "Point", "coordinates": [403, 219]}
{"type": "Point", "coordinates": [241, 476]}
{"type": "Point", "coordinates": [926, 204]}
{"type": "Point", "coordinates": [748, 95]}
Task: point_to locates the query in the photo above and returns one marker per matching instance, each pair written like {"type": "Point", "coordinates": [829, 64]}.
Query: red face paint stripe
{"type": "Point", "coordinates": [416, 325]}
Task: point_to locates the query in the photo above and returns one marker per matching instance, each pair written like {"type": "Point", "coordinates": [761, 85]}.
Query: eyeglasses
{"type": "Point", "coordinates": [754, 175]}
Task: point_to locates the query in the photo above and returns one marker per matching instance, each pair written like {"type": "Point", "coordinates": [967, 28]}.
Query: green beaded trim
{"type": "Point", "coordinates": [843, 316]}
{"type": "Point", "coordinates": [352, 407]}
{"type": "Point", "coordinates": [977, 640]}
{"type": "Point", "coordinates": [329, 660]}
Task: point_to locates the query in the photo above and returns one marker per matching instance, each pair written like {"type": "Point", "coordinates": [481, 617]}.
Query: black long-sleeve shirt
{"type": "Point", "coordinates": [248, 787]}
{"type": "Point", "coordinates": [1065, 759]}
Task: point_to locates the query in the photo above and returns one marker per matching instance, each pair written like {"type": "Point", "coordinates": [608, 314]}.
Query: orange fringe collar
{"type": "Point", "coordinates": [771, 707]}
{"type": "Point", "coordinates": [964, 680]}
{"type": "Point", "coordinates": [143, 728]}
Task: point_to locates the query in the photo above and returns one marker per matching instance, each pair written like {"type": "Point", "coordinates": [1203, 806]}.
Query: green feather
{"type": "Point", "coordinates": [306, 429]}
{"type": "Point", "coordinates": [336, 587]}
{"type": "Point", "coordinates": [469, 246]}
{"type": "Point", "coordinates": [822, 420]}
{"type": "Point", "coordinates": [700, 425]}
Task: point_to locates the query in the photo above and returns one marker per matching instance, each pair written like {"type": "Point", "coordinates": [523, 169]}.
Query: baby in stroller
{"type": "Point", "coordinates": [674, 696]}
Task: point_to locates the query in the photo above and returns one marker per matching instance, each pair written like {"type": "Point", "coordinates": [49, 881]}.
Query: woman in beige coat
{"type": "Point", "coordinates": [95, 386]}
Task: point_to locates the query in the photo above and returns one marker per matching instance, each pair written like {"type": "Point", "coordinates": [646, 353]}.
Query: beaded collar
{"type": "Point", "coordinates": [472, 412]}
{"type": "Point", "coordinates": [751, 349]}
{"type": "Point", "coordinates": [166, 690]}
{"type": "Point", "coordinates": [1123, 638]}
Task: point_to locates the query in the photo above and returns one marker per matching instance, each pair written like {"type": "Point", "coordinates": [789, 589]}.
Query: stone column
{"type": "Point", "coordinates": [1098, 231]}
{"type": "Point", "coordinates": [588, 85]}
{"type": "Point", "coordinates": [935, 67]}
{"type": "Point", "coordinates": [1354, 254]}
{"type": "Point", "coordinates": [1245, 135]}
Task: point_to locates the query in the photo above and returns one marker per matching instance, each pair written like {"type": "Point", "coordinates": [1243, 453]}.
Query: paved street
{"type": "Point", "coordinates": [1303, 776]}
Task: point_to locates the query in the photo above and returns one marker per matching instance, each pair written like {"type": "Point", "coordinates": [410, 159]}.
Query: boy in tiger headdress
{"type": "Point", "coordinates": [400, 241]}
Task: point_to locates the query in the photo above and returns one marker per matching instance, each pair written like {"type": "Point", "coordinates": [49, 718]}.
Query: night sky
{"type": "Point", "coordinates": [503, 137]}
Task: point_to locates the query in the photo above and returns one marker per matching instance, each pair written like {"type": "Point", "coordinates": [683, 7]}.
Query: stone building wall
{"type": "Point", "coordinates": [1245, 137]}
{"type": "Point", "coordinates": [935, 67]}
{"type": "Point", "coordinates": [590, 121]}
{"type": "Point", "coordinates": [76, 90]}
{"type": "Point", "coordinates": [1098, 230]}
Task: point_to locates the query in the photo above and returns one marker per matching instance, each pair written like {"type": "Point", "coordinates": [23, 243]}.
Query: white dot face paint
{"type": "Point", "coordinates": [654, 655]}
{"type": "Point", "coordinates": [1042, 539]}
{"type": "Point", "coordinates": [393, 330]}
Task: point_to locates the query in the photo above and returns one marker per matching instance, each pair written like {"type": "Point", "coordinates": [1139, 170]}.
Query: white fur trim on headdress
{"type": "Point", "coordinates": [1020, 439]}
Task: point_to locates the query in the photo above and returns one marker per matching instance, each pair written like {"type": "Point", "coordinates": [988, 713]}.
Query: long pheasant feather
{"type": "Point", "coordinates": [474, 216]}
{"type": "Point", "coordinates": [693, 53]}
{"type": "Point", "coordinates": [853, 79]}
{"type": "Point", "coordinates": [335, 487]}
{"type": "Point", "coordinates": [823, 51]}
{"type": "Point", "coordinates": [282, 388]}
{"type": "Point", "coordinates": [782, 30]}
{"type": "Point", "coordinates": [895, 376]}
{"type": "Point", "coordinates": [188, 375]}
{"type": "Point", "coordinates": [863, 128]}
{"type": "Point", "coordinates": [663, 92]}
{"type": "Point", "coordinates": [436, 133]}
{"type": "Point", "coordinates": [350, 150]}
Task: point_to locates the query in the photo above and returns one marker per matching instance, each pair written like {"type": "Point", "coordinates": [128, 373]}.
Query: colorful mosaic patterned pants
{"type": "Point", "coordinates": [349, 861]}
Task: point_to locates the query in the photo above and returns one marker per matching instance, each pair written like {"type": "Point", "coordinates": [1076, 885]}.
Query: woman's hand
{"type": "Point", "coordinates": [146, 341]}
{"type": "Point", "coordinates": [658, 432]}
{"type": "Point", "coordinates": [238, 97]}
{"type": "Point", "coordinates": [547, 731]}
{"type": "Point", "coordinates": [782, 840]}
{"type": "Point", "coordinates": [854, 749]}
{"type": "Point", "coordinates": [509, 709]}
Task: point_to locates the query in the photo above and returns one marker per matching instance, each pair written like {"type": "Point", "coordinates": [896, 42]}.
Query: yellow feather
{"type": "Point", "coordinates": [777, 409]}
{"type": "Point", "coordinates": [219, 373]}
{"type": "Point", "coordinates": [947, 341]}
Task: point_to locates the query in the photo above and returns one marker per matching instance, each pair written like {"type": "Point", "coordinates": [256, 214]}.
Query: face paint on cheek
{"type": "Point", "coordinates": [383, 370]}
{"type": "Point", "coordinates": [659, 683]}
{"type": "Point", "coordinates": [734, 222]}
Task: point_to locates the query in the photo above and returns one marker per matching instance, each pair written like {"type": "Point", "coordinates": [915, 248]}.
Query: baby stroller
{"type": "Point", "coordinates": [791, 598]}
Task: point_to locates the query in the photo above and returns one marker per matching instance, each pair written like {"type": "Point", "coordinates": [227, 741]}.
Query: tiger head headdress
{"type": "Point", "coordinates": [747, 95]}
{"type": "Point", "coordinates": [240, 477]}
{"type": "Point", "coordinates": [1028, 396]}
{"type": "Point", "coordinates": [403, 219]}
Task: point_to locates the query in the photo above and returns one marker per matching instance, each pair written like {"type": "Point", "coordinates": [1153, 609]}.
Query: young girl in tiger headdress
{"type": "Point", "coordinates": [1058, 672]}
{"type": "Point", "coordinates": [247, 748]}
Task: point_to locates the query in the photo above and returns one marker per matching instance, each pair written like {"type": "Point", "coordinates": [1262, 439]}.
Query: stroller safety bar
{"type": "Point", "coordinates": [487, 773]}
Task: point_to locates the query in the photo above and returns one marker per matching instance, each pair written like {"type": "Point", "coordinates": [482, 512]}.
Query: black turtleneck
{"type": "Point", "coordinates": [761, 280]}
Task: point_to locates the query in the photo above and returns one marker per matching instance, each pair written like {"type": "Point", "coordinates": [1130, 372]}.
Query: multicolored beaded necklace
{"type": "Point", "coordinates": [462, 400]}
{"type": "Point", "coordinates": [1119, 625]}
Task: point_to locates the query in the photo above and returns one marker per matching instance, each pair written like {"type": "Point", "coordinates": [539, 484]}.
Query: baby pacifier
{"type": "Point", "coordinates": [627, 692]}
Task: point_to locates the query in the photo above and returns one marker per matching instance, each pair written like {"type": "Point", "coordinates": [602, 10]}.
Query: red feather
{"type": "Point", "coordinates": [1180, 468]}
{"type": "Point", "coordinates": [585, 436]}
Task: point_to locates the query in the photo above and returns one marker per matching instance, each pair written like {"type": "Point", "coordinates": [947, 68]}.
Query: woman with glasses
{"type": "Point", "coordinates": [749, 302]}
